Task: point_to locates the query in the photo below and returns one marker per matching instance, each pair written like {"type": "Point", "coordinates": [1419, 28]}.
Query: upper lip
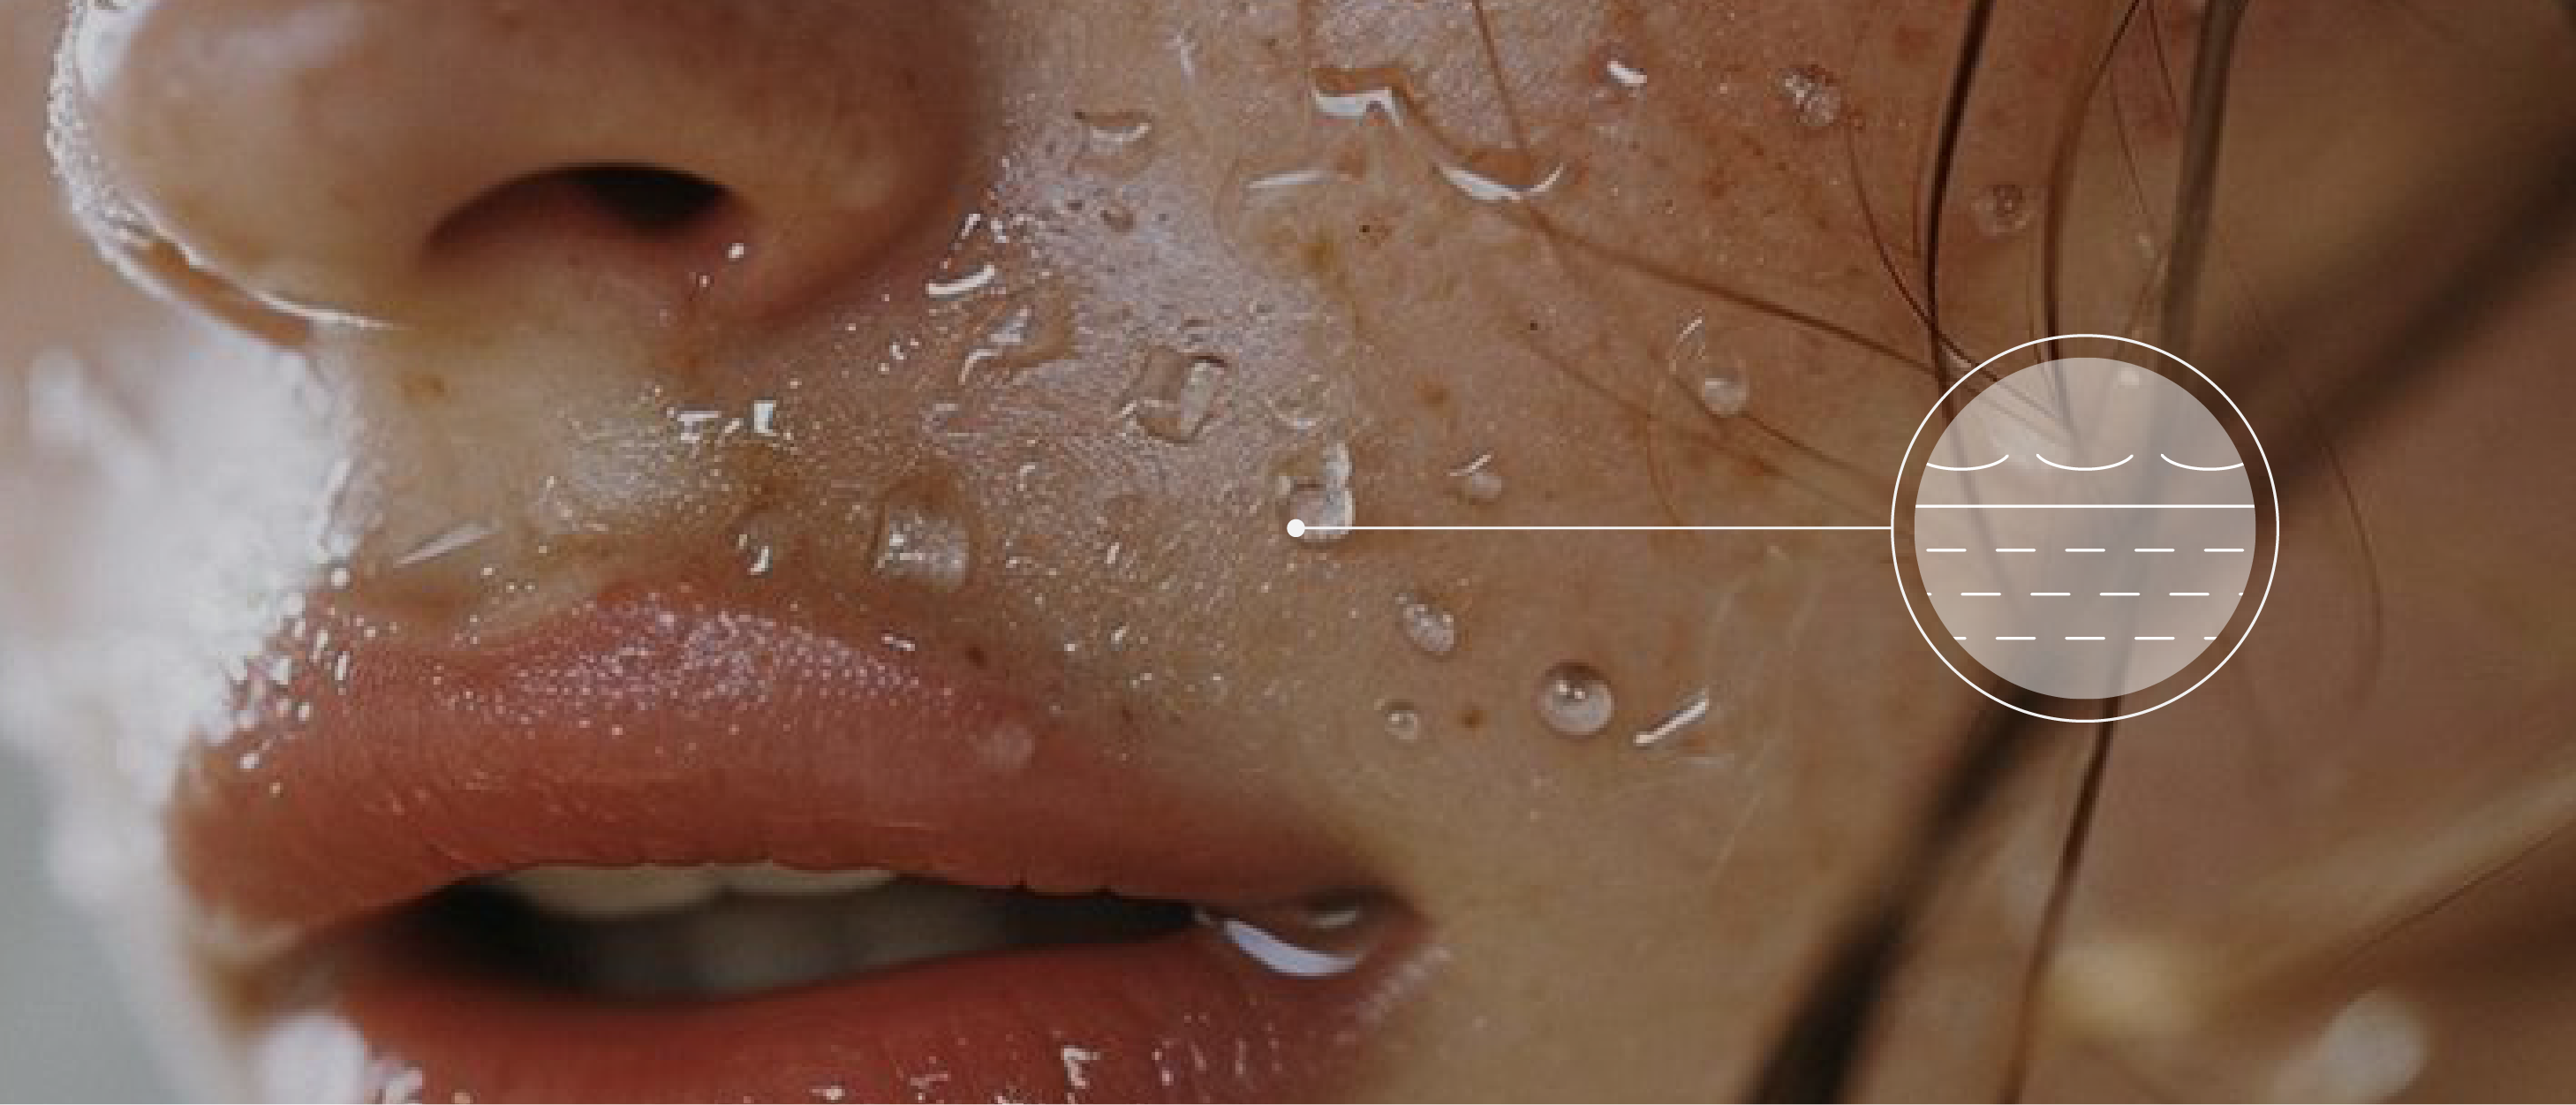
{"type": "Point", "coordinates": [671, 725]}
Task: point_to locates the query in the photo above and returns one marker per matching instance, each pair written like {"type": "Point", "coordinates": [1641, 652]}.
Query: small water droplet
{"type": "Point", "coordinates": [1403, 720]}
{"type": "Point", "coordinates": [1476, 481]}
{"type": "Point", "coordinates": [1814, 94]}
{"type": "Point", "coordinates": [1174, 394]}
{"type": "Point", "coordinates": [918, 545]}
{"type": "Point", "coordinates": [2002, 210]}
{"type": "Point", "coordinates": [1625, 75]}
{"type": "Point", "coordinates": [1318, 494]}
{"type": "Point", "coordinates": [1116, 142]}
{"type": "Point", "coordinates": [1327, 936]}
{"type": "Point", "coordinates": [1720, 390]}
{"type": "Point", "coordinates": [1574, 700]}
{"type": "Point", "coordinates": [1688, 713]}
{"type": "Point", "coordinates": [1430, 626]}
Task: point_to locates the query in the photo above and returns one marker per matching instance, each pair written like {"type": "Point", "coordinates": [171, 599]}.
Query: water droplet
{"type": "Point", "coordinates": [1476, 481]}
{"type": "Point", "coordinates": [1683, 716]}
{"type": "Point", "coordinates": [1429, 625]}
{"type": "Point", "coordinates": [1721, 391]}
{"type": "Point", "coordinates": [1321, 938]}
{"type": "Point", "coordinates": [1021, 332]}
{"type": "Point", "coordinates": [1116, 142]}
{"type": "Point", "coordinates": [1174, 394]}
{"type": "Point", "coordinates": [1626, 75]}
{"type": "Point", "coordinates": [1318, 494]}
{"type": "Point", "coordinates": [1403, 719]}
{"type": "Point", "coordinates": [1574, 700]}
{"type": "Point", "coordinates": [1502, 176]}
{"type": "Point", "coordinates": [918, 545]}
{"type": "Point", "coordinates": [1814, 94]}
{"type": "Point", "coordinates": [452, 539]}
{"type": "Point", "coordinates": [1354, 93]}
{"type": "Point", "coordinates": [2002, 210]}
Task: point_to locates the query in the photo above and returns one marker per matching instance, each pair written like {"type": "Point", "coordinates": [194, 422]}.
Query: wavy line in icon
{"type": "Point", "coordinates": [2096, 468]}
{"type": "Point", "coordinates": [2197, 468]}
{"type": "Point", "coordinates": [1978, 468]}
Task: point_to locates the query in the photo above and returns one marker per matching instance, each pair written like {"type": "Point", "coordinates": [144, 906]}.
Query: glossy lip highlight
{"type": "Point", "coordinates": [664, 726]}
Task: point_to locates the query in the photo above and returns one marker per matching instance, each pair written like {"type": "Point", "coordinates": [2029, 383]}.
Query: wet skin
{"type": "Point", "coordinates": [1315, 197]}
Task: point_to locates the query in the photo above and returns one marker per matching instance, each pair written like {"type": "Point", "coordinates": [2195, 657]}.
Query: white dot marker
{"type": "Point", "coordinates": [1296, 527]}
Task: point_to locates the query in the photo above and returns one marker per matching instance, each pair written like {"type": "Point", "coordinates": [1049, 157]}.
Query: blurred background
{"type": "Point", "coordinates": [65, 1034]}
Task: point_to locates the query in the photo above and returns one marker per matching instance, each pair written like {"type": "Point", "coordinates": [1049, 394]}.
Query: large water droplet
{"type": "Point", "coordinates": [1430, 626]}
{"type": "Point", "coordinates": [1476, 481]}
{"type": "Point", "coordinates": [2002, 210]}
{"type": "Point", "coordinates": [1502, 176]}
{"type": "Point", "coordinates": [1317, 496]}
{"type": "Point", "coordinates": [919, 545]}
{"type": "Point", "coordinates": [1574, 700]}
{"type": "Point", "coordinates": [1814, 94]}
{"type": "Point", "coordinates": [1321, 938]}
{"type": "Point", "coordinates": [1023, 332]}
{"type": "Point", "coordinates": [1116, 142]}
{"type": "Point", "coordinates": [1174, 394]}
{"type": "Point", "coordinates": [1345, 93]}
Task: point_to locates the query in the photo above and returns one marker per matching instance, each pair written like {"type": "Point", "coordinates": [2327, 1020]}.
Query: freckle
{"type": "Point", "coordinates": [1473, 717]}
{"type": "Point", "coordinates": [423, 387]}
{"type": "Point", "coordinates": [1434, 394]}
{"type": "Point", "coordinates": [975, 655]}
{"type": "Point", "coordinates": [1533, 326]}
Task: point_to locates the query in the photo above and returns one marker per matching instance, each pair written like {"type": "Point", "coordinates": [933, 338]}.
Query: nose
{"type": "Point", "coordinates": [390, 159]}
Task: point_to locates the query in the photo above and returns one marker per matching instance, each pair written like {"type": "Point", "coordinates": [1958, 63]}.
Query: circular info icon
{"type": "Point", "coordinates": [2099, 531]}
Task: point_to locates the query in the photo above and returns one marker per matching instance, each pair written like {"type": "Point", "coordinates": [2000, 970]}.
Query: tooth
{"type": "Point", "coordinates": [770, 878]}
{"type": "Point", "coordinates": [742, 946]}
{"type": "Point", "coordinates": [921, 922]}
{"type": "Point", "coordinates": [609, 892]}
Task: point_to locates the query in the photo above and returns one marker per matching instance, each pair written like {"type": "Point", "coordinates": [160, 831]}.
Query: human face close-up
{"type": "Point", "coordinates": [731, 549]}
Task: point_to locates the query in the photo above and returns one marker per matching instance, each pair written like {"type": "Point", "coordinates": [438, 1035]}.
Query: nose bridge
{"type": "Point", "coordinates": [375, 156]}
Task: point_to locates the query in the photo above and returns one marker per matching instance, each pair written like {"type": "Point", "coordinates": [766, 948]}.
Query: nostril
{"type": "Point", "coordinates": [653, 202]}
{"type": "Point", "coordinates": [640, 205]}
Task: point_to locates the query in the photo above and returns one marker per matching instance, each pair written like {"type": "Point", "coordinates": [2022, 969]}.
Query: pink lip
{"type": "Point", "coordinates": [661, 726]}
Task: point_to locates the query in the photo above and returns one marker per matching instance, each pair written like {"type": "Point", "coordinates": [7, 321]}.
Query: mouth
{"type": "Point", "coordinates": [660, 848]}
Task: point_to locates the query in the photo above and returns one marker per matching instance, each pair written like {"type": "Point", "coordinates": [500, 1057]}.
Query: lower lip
{"type": "Point", "coordinates": [1183, 1017]}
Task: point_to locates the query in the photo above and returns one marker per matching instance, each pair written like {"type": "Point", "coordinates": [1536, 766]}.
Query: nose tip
{"type": "Point", "coordinates": [383, 158]}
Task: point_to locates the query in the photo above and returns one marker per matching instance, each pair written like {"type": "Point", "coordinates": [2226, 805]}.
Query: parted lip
{"type": "Point", "coordinates": [661, 725]}
{"type": "Point", "coordinates": [675, 725]}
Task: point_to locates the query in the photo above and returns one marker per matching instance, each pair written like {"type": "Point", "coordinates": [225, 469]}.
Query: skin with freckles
{"type": "Point", "coordinates": [1022, 332]}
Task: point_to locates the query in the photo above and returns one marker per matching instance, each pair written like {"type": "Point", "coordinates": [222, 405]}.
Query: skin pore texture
{"type": "Point", "coordinates": [1018, 334]}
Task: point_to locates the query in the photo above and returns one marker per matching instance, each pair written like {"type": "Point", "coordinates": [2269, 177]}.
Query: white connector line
{"type": "Point", "coordinates": [1981, 594]}
{"type": "Point", "coordinates": [2084, 550]}
{"type": "Point", "coordinates": [1945, 550]}
{"type": "Point", "coordinates": [2119, 594]}
{"type": "Point", "coordinates": [2187, 594]}
{"type": "Point", "coordinates": [2151, 550]}
{"type": "Point", "coordinates": [2085, 638]}
{"type": "Point", "coordinates": [2050, 594]}
{"type": "Point", "coordinates": [2016, 550]}
{"type": "Point", "coordinates": [2163, 638]}
{"type": "Point", "coordinates": [1300, 528]}
{"type": "Point", "coordinates": [2222, 550]}
{"type": "Point", "coordinates": [2016, 638]}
